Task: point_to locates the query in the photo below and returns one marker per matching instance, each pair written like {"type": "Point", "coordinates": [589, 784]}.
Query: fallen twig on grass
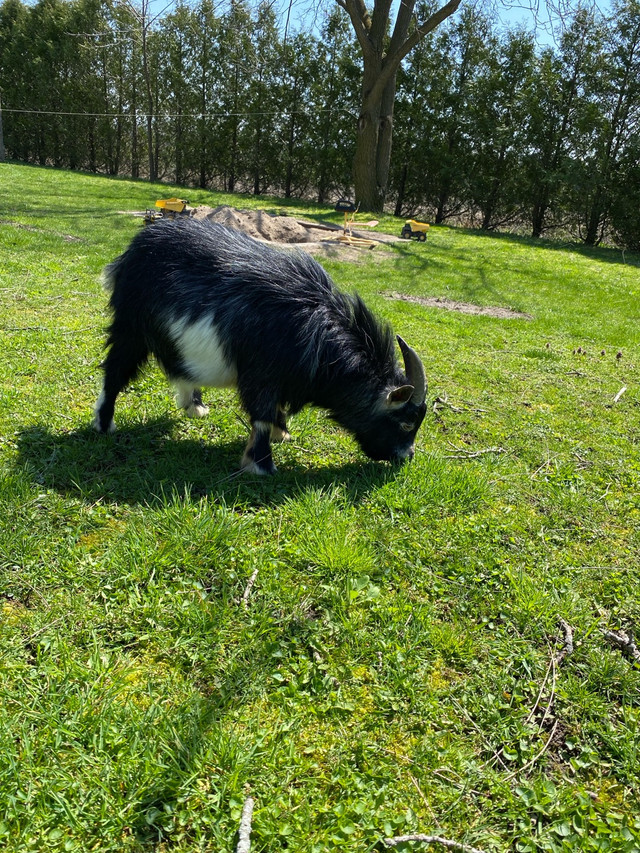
{"type": "Point", "coordinates": [248, 588]}
{"type": "Point", "coordinates": [620, 393]}
{"type": "Point", "coordinates": [432, 839]}
{"type": "Point", "coordinates": [473, 454]}
{"type": "Point", "coordinates": [532, 712]}
{"type": "Point", "coordinates": [244, 833]}
{"type": "Point", "coordinates": [624, 642]}
{"type": "Point", "coordinates": [443, 403]}
{"type": "Point", "coordinates": [567, 649]}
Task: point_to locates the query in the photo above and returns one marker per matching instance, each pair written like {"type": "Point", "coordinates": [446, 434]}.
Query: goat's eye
{"type": "Point", "coordinates": [407, 427]}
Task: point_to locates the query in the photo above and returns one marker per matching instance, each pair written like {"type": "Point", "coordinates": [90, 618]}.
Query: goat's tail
{"type": "Point", "coordinates": [107, 279]}
{"type": "Point", "coordinates": [109, 273]}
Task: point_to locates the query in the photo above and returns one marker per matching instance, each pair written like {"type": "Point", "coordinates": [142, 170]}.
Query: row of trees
{"type": "Point", "coordinates": [487, 127]}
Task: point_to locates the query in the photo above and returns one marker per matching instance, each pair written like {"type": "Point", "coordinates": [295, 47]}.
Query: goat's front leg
{"type": "Point", "coordinates": [257, 455]}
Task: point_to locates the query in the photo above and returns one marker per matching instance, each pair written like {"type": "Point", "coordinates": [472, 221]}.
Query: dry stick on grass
{"type": "Point", "coordinates": [567, 649]}
{"type": "Point", "coordinates": [620, 393]}
{"type": "Point", "coordinates": [540, 692]}
{"type": "Point", "coordinates": [248, 588]}
{"type": "Point", "coordinates": [244, 833]}
{"type": "Point", "coordinates": [443, 403]}
{"type": "Point", "coordinates": [488, 747]}
{"type": "Point", "coordinates": [416, 785]}
{"type": "Point", "coordinates": [473, 454]}
{"type": "Point", "coordinates": [432, 839]}
{"type": "Point", "coordinates": [624, 642]}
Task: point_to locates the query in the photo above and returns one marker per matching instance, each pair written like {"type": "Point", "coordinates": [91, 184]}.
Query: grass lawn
{"type": "Point", "coordinates": [397, 664]}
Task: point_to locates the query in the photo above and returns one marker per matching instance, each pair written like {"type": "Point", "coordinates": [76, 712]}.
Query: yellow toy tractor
{"type": "Point", "coordinates": [413, 228]}
{"type": "Point", "coordinates": [169, 208]}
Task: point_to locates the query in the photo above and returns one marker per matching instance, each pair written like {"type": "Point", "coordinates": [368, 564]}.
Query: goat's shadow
{"type": "Point", "coordinates": [145, 464]}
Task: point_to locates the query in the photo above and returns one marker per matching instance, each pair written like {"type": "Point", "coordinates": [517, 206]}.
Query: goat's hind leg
{"type": "Point", "coordinates": [279, 431]}
{"type": "Point", "coordinates": [121, 366]}
{"type": "Point", "coordinates": [189, 398]}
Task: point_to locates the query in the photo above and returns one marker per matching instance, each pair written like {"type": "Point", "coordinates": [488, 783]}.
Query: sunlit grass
{"type": "Point", "coordinates": [368, 651]}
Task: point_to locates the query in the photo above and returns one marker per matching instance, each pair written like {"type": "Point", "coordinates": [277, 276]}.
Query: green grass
{"type": "Point", "coordinates": [391, 671]}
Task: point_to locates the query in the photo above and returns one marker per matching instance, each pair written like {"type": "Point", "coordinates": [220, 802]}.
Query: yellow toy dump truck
{"type": "Point", "coordinates": [169, 208]}
{"type": "Point", "coordinates": [413, 228]}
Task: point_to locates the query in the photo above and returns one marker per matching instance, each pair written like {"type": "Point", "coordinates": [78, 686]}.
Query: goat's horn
{"type": "Point", "coordinates": [415, 372]}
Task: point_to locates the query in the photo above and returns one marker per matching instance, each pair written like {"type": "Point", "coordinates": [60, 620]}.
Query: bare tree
{"type": "Point", "coordinates": [381, 60]}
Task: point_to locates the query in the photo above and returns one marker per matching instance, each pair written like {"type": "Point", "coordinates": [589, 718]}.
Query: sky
{"type": "Point", "coordinates": [542, 16]}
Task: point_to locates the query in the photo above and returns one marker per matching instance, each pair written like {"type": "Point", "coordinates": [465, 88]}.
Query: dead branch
{"type": "Point", "coordinates": [473, 454]}
{"type": "Point", "coordinates": [421, 793]}
{"type": "Point", "coordinates": [432, 839]}
{"type": "Point", "coordinates": [624, 642]}
{"type": "Point", "coordinates": [443, 403]}
{"type": "Point", "coordinates": [567, 648]}
{"type": "Point", "coordinates": [244, 833]}
{"type": "Point", "coordinates": [540, 692]}
{"type": "Point", "coordinates": [248, 588]}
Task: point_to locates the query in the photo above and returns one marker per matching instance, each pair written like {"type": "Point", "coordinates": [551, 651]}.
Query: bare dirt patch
{"type": "Point", "coordinates": [68, 238]}
{"type": "Point", "coordinates": [462, 307]}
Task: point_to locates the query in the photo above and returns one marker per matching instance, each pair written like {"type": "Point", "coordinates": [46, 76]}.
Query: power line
{"type": "Point", "coordinates": [283, 114]}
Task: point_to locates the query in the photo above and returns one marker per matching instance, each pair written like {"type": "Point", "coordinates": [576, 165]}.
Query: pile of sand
{"type": "Point", "coordinates": [257, 223]}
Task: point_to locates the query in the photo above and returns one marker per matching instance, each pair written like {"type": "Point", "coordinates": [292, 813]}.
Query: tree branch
{"type": "Point", "coordinates": [392, 61]}
{"type": "Point", "coordinates": [361, 21]}
{"type": "Point", "coordinates": [379, 21]}
{"type": "Point", "coordinates": [624, 642]}
{"type": "Point", "coordinates": [432, 839]}
{"type": "Point", "coordinates": [422, 30]}
{"type": "Point", "coordinates": [244, 833]}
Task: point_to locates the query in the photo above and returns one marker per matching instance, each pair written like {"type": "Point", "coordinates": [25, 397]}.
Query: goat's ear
{"type": "Point", "coordinates": [398, 397]}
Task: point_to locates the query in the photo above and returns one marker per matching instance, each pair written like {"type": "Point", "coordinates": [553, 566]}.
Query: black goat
{"type": "Point", "coordinates": [218, 308]}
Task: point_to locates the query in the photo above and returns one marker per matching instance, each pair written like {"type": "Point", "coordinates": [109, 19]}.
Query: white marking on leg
{"type": "Point", "coordinates": [251, 467]}
{"type": "Point", "coordinates": [184, 400]}
{"type": "Point", "coordinates": [278, 434]}
{"type": "Point", "coordinates": [248, 463]}
{"type": "Point", "coordinates": [197, 410]}
{"type": "Point", "coordinates": [96, 416]}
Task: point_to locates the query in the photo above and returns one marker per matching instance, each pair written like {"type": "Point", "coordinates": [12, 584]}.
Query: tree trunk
{"type": "Point", "coordinates": [401, 188]}
{"type": "Point", "coordinates": [373, 145]}
{"type": "Point", "coordinates": [381, 59]}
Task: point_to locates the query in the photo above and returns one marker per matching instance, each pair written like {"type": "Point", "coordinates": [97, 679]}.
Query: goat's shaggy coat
{"type": "Point", "coordinates": [218, 308]}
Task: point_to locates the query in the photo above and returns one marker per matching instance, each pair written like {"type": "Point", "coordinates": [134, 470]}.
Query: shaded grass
{"type": "Point", "coordinates": [392, 670]}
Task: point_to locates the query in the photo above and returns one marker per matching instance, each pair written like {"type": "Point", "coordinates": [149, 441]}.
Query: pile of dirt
{"type": "Point", "coordinates": [257, 223]}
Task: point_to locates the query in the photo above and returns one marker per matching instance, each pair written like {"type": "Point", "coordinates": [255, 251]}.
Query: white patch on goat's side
{"type": "Point", "coordinates": [96, 418]}
{"type": "Point", "coordinates": [202, 354]}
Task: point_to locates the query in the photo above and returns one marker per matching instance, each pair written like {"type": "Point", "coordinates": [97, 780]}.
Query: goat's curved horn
{"type": "Point", "coordinates": [415, 372]}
